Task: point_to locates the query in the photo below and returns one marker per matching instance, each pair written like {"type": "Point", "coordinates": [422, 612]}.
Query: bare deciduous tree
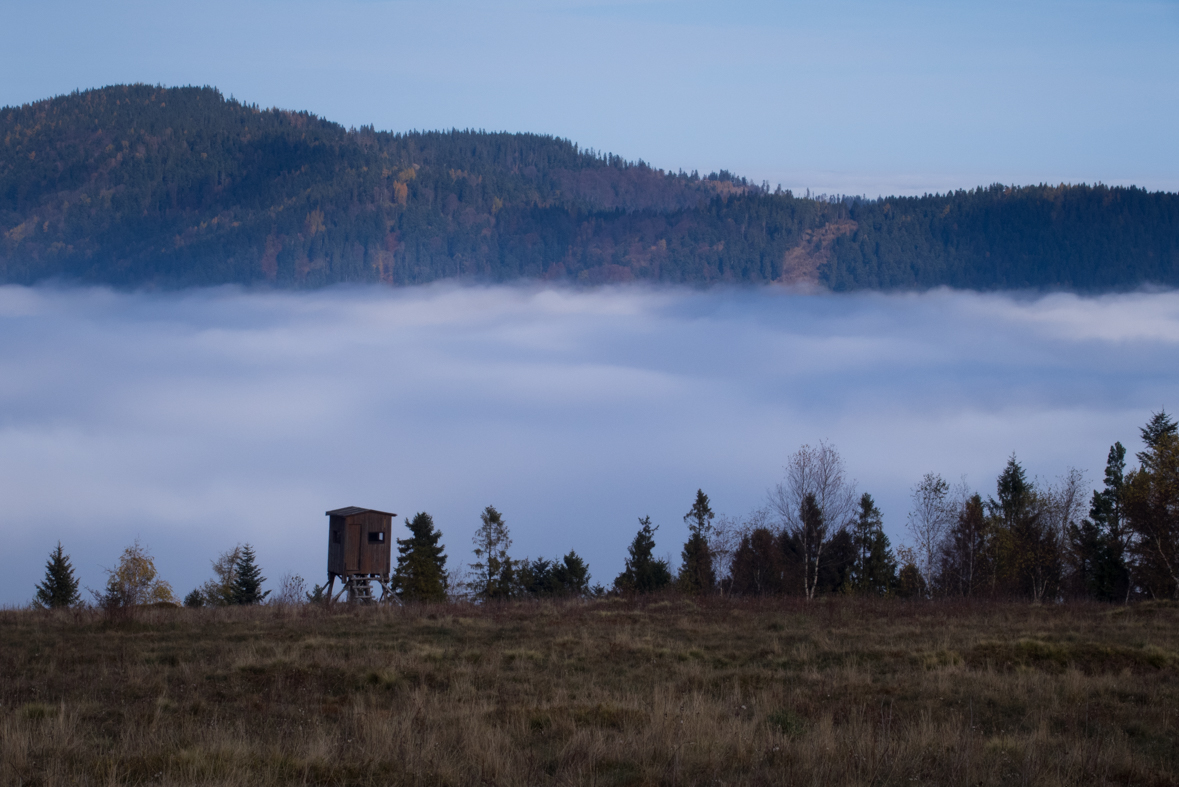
{"type": "Point", "coordinates": [1063, 506]}
{"type": "Point", "coordinates": [817, 471]}
{"type": "Point", "coordinates": [929, 521]}
{"type": "Point", "coordinates": [292, 591]}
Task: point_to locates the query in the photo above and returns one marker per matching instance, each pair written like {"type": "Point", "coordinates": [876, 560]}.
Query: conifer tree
{"type": "Point", "coordinates": [248, 579]}
{"type": "Point", "coordinates": [1157, 428]}
{"type": "Point", "coordinates": [571, 575]}
{"type": "Point", "coordinates": [644, 573]}
{"type": "Point", "coordinates": [696, 573]}
{"type": "Point", "coordinates": [421, 566]}
{"type": "Point", "coordinates": [874, 570]}
{"type": "Point", "coordinates": [543, 578]}
{"type": "Point", "coordinates": [1028, 552]}
{"type": "Point", "coordinates": [909, 581]}
{"type": "Point", "coordinates": [966, 560]}
{"type": "Point", "coordinates": [494, 570]}
{"type": "Point", "coordinates": [60, 587]}
{"type": "Point", "coordinates": [1151, 500]}
{"type": "Point", "coordinates": [759, 564]}
{"type": "Point", "coordinates": [535, 578]}
{"type": "Point", "coordinates": [1101, 541]}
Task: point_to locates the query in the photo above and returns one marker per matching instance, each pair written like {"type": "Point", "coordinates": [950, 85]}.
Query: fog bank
{"type": "Point", "coordinates": [199, 419]}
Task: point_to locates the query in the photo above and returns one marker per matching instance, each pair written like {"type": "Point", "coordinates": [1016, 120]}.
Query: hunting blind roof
{"type": "Point", "coordinates": [353, 511]}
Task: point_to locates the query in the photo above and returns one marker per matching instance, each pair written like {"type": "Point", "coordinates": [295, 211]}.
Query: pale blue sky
{"type": "Point", "coordinates": [849, 96]}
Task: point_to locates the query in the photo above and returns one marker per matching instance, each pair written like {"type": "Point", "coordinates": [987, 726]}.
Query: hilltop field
{"type": "Point", "coordinates": [662, 691]}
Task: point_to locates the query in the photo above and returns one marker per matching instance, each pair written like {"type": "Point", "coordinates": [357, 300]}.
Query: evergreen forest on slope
{"type": "Point", "coordinates": [142, 186]}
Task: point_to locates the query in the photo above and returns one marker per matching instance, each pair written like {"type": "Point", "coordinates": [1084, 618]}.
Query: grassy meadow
{"type": "Point", "coordinates": [659, 691]}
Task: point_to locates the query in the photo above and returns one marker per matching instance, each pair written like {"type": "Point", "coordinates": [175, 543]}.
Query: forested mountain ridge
{"type": "Point", "coordinates": [148, 186]}
{"type": "Point", "coordinates": [1073, 237]}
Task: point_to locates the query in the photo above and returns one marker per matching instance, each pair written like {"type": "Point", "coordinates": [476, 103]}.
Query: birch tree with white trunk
{"type": "Point", "coordinates": [817, 471]}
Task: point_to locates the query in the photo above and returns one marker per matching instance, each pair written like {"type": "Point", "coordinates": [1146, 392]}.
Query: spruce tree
{"type": "Point", "coordinates": [699, 517]}
{"type": "Point", "coordinates": [494, 570]}
{"type": "Point", "coordinates": [874, 569]}
{"type": "Point", "coordinates": [1159, 426]}
{"type": "Point", "coordinates": [571, 575]}
{"type": "Point", "coordinates": [535, 578]}
{"type": "Point", "coordinates": [560, 577]}
{"type": "Point", "coordinates": [1015, 495]}
{"type": "Point", "coordinates": [421, 566]}
{"type": "Point", "coordinates": [1028, 551]}
{"type": "Point", "coordinates": [1100, 542]}
{"type": "Point", "coordinates": [60, 588]}
{"type": "Point", "coordinates": [248, 579]}
{"type": "Point", "coordinates": [696, 573]}
{"type": "Point", "coordinates": [1151, 498]}
{"type": "Point", "coordinates": [759, 564]}
{"type": "Point", "coordinates": [644, 573]}
{"type": "Point", "coordinates": [968, 552]}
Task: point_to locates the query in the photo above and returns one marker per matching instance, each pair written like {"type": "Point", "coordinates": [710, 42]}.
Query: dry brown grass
{"type": "Point", "coordinates": [663, 691]}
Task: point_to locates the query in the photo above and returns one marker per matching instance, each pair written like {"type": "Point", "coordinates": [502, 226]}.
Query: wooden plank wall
{"type": "Point", "coordinates": [336, 548]}
{"type": "Point", "coordinates": [354, 553]}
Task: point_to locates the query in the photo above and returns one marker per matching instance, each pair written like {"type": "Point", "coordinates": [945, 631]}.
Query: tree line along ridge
{"type": "Point", "coordinates": [1043, 542]}
{"type": "Point", "coordinates": [146, 186]}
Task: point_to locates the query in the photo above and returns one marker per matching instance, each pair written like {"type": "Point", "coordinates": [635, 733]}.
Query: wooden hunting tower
{"type": "Point", "coordinates": [358, 552]}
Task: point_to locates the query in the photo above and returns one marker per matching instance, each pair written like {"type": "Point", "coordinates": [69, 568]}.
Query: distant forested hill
{"type": "Point", "coordinates": [149, 186]}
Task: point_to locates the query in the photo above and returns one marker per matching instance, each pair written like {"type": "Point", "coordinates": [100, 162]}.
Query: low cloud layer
{"type": "Point", "coordinates": [197, 420]}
